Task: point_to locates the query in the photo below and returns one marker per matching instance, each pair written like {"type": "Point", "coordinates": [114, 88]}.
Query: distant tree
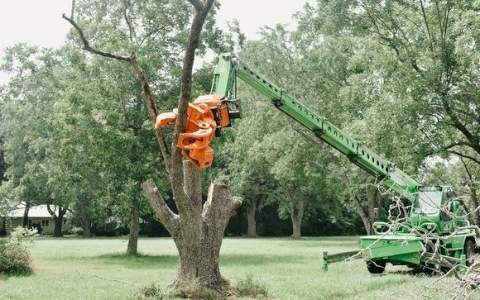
{"type": "Point", "coordinates": [436, 61]}
{"type": "Point", "coordinates": [240, 159]}
{"type": "Point", "coordinates": [3, 165]}
{"type": "Point", "coordinates": [25, 134]}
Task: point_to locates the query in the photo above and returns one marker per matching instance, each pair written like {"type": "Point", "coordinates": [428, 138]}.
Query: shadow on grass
{"type": "Point", "coordinates": [140, 261]}
{"type": "Point", "coordinates": [155, 261]}
{"type": "Point", "coordinates": [6, 275]}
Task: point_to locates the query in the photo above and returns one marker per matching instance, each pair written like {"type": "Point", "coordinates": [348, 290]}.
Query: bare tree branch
{"type": "Point", "coordinates": [176, 175]}
{"type": "Point", "coordinates": [168, 218]}
{"type": "Point", "coordinates": [148, 97]}
{"type": "Point", "coordinates": [152, 111]}
{"type": "Point", "coordinates": [427, 26]}
{"type": "Point", "coordinates": [72, 11]}
{"type": "Point", "coordinates": [127, 4]}
{"type": "Point", "coordinates": [51, 212]}
{"type": "Point", "coordinates": [87, 47]}
{"type": "Point", "coordinates": [472, 139]}
{"type": "Point", "coordinates": [465, 156]}
{"type": "Point", "coordinates": [452, 145]}
{"type": "Point", "coordinates": [197, 4]}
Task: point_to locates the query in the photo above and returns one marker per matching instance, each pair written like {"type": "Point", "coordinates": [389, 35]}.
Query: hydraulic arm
{"type": "Point", "coordinates": [226, 73]}
{"type": "Point", "coordinates": [435, 210]}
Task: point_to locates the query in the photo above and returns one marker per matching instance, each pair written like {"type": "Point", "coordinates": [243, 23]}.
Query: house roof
{"type": "Point", "coordinates": [37, 211]}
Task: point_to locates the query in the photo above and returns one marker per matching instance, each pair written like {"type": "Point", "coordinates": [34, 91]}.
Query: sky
{"type": "Point", "coordinates": [39, 22]}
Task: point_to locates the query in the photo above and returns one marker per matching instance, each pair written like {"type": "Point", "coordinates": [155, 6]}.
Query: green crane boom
{"type": "Point", "coordinates": [224, 83]}
{"type": "Point", "coordinates": [435, 217]}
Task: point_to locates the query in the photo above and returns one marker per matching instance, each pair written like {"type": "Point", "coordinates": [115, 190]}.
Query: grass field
{"type": "Point", "coordinates": [97, 269]}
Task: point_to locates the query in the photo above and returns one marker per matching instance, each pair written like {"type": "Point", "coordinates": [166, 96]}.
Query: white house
{"type": "Point", "coordinates": [38, 217]}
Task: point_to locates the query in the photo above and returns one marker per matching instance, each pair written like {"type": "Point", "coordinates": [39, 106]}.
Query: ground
{"type": "Point", "coordinates": [97, 269]}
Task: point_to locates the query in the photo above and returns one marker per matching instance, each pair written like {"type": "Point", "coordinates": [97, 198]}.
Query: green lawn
{"type": "Point", "coordinates": [97, 269]}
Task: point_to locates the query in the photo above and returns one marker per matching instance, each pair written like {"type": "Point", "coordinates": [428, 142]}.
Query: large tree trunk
{"type": "Point", "coordinates": [474, 203]}
{"type": "Point", "coordinates": [297, 228]}
{"type": "Point", "coordinates": [251, 218]}
{"type": "Point", "coordinates": [296, 211]}
{"type": "Point", "coordinates": [57, 219]}
{"type": "Point", "coordinates": [367, 215]}
{"type": "Point", "coordinates": [85, 217]}
{"type": "Point", "coordinates": [57, 231]}
{"type": "Point", "coordinates": [86, 228]}
{"type": "Point", "coordinates": [473, 214]}
{"type": "Point", "coordinates": [198, 232]}
{"type": "Point", "coordinates": [25, 214]}
{"type": "Point", "coordinates": [132, 247]}
{"type": "Point", "coordinates": [367, 223]}
{"type": "Point", "coordinates": [86, 223]}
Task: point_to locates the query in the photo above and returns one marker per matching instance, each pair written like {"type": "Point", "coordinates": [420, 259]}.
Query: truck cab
{"type": "Point", "coordinates": [437, 210]}
{"type": "Point", "coordinates": [436, 233]}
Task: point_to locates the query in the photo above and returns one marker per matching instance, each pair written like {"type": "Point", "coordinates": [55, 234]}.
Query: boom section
{"type": "Point", "coordinates": [224, 83]}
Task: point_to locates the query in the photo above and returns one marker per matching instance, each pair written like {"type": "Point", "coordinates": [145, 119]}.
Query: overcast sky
{"type": "Point", "coordinates": [39, 22]}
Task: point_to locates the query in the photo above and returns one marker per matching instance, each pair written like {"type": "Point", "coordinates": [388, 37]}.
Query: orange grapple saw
{"type": "Point", "coordinates": [206, 117]}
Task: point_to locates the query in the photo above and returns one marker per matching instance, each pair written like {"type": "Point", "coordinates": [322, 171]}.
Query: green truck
{"type": "Point", "coordinates": [433, 233]}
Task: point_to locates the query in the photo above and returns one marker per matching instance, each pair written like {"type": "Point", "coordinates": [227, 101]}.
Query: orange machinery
{"type": "Point", "coordinates": [206, 118]}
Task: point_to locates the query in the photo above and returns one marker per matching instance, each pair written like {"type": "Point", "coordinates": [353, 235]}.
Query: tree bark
{"type": "Point", "coordinates": [132, 247]}
{"type": "Point", "coordinates": [25, 214]}
{"type": "Point", "coordinates": [251, 218]}
{"type": "Point", "coordinates": [296, 228]}
{"type": "Point", "coordinates": [57, 231]}
{"type": "Point", "coordinates": [367, 224]}
{"type": "Point", "coordinates": [197, 232]}
{"type": "Point", "coordinates": [58, 220]}
{"type": "Point", "coordinates": [86, 227]}
{"type": "Point", "coordinates": [296, 215]}
{"type": "Point", "coordinates": [473, 203]}
{"type": "Point", "coordinates": [85, 217]}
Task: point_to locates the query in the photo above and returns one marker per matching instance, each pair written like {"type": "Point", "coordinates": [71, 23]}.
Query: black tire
{"type": "Point", "coordinates": [375, 267]}
{"type": "Point", "coordinates": [469, 251]}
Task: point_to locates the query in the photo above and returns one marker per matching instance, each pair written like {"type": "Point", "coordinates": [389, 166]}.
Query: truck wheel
{"type": "Point", "coordinates": [375, 267]}
{"type": "Point", "coordinates": [469, 251]}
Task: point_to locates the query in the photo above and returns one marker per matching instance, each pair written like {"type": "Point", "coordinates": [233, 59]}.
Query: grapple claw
{"type": "Point", "coordinates": [206, 116]}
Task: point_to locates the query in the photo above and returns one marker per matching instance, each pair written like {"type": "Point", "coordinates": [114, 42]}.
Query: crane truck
{"type": "Point", "coordinates": [434, 231]}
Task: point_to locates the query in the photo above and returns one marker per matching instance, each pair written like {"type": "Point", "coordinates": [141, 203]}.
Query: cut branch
{"type": "Point", "coordinates": [220, 205]}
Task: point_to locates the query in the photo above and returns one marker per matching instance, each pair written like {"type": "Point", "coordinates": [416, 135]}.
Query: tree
{"type": "Point", "coordinates": [240, 159]}
{"type": "Point", "coordinates": [198, 227]}
{"type": "Point", "coordinates": [440, 66]}
{"type": "Point", "coordinates": [27, 102]}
